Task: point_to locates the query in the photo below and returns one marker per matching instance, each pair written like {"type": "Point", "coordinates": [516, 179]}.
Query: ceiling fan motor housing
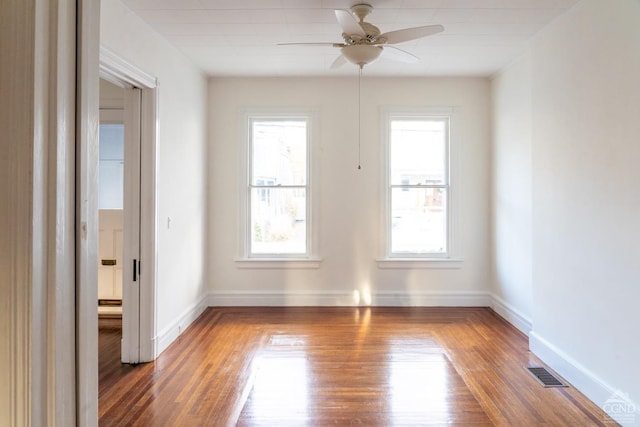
{"type": "Point", "coordinates": [361, 11]}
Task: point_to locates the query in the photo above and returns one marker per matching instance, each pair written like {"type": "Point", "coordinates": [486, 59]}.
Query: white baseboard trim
{"type": "Point", "coordinates": [615, 403]}
{"type": "Point", "coordinates": [432, 299]}
{"type": "Point", "coordinates": [511, 314]}
{"type": "Point", "coordinates": [346, 299]}
{"type": "Point", "coordinates": [279, 299]}
{"type": "Point", "coordinates": [171, 332]}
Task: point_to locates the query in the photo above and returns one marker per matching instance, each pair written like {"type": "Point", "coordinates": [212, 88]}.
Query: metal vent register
{"type": "Point", "coordinates": [544, 377]}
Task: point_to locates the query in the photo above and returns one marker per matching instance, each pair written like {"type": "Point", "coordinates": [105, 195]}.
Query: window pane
{"type": "Point", "coordinates": [279, 152]}
{"type": "Point", "coordinates": [111, 141]}
{"type": "Point", "coordinates": [418, 152]}
{"type": "Point", "coordinates": [418, 220]}
{"type": "Point", "coordinates": [278, 221]}
{"type": "Point", "coordinates": [111, 166]}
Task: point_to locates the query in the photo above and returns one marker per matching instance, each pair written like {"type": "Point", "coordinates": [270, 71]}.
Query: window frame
{"type": "Point", "coordinates": [247, 258]}
{"type": "Point", "coordinates": [450, 258]}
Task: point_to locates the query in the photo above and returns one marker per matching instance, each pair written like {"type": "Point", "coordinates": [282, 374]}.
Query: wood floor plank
{"type": "Point", "coordinates": [308, 366]}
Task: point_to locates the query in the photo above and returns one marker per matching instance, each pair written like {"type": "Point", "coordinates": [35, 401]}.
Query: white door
{"type": "Point", "coordinates": [119, 218]}
{"type": "Point", "coordinates": [131, 225]}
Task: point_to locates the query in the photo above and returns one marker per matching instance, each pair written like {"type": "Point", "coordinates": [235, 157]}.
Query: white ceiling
{"type": "Point", "coordinates": [240, 37]}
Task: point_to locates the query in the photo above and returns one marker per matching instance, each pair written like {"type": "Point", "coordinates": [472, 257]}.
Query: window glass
{"type": "Point", "coordinates": [279, 152]}
{"type": "Point", "coordinates": [278, 190]}
{"type": "Point", "coordinates": [418, 186]}
{"type": "Point", "coordinates": [111, 166]}
{"type": "Point", "coordinates": [419, 220]}
{"type": "Point", "coordinates": [418, 152]}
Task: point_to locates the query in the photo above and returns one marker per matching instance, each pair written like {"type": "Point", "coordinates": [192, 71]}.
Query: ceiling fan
{"type": "Point", "coordinates": [363, 42]}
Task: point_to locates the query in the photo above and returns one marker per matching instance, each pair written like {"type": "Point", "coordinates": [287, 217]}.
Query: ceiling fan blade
{"type": "Point", "coordinates": [339, 62]}
{"type": "Point", "coordinates": [348, 23]}
{"type": "Point", "coordinates": [396, 54]}
{"type": "Point", "coordinates": [407, 34]}
{"type": "Point", "coordinates": [313, 44]}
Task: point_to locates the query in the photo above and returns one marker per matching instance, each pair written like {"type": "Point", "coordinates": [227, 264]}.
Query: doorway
{"type": "Point", "coordinates": [110, 200]}
{"type": "Point", "coordinates": [119, 216]}
{"type": "Point", "coordinates": [129, 186]}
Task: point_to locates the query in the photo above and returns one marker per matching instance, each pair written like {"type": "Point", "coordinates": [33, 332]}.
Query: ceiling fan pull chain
{"type": "Point", "coordinates": [359, 115]}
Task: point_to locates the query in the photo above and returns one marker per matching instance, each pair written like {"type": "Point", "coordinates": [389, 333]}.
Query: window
{"type": "Point", "coordinates": [418, 186]}
{"type": "Point", "coordinates": [278, 196]}
{"type": "Point", "coordinates": [111, 166]}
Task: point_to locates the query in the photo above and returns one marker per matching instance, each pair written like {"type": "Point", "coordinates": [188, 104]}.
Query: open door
{"type": "Point", "coordinates": [131, 221]}
{"type": "Point", "coordinates": [119, 213]}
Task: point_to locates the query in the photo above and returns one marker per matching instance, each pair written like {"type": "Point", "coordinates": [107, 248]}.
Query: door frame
{"type": "Point", "coordinates": [139, 342]}
{"type": "Point", "coordinates": [37, 217]}
{"type": "Point", "coordinates": [87, 42]}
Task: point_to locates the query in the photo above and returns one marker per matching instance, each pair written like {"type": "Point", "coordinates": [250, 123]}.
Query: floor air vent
{"type": "Point", "coordinates": [546, 378]}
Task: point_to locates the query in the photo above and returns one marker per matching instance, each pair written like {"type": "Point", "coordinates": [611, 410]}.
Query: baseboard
{"type": "Point", "coordinates": [432, 299]}
{"type": "Point", "coordinates": [345, 299]}
{"type": "Point", "coordinates": [614, 402]}
{"type": "Point", "coordinates": [511, 314]}
{"type": "Point", "coordinates": [279, 299]}
{"type": "Point", "coordinates": [171, 332]}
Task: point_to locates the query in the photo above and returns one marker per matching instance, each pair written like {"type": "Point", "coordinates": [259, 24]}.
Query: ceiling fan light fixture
{"type": "Point", "coordinates": [361, 54]}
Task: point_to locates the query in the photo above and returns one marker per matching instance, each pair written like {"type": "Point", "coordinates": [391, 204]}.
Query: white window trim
{"type": "Point", "coordinates": [452, 259]}
{"type": "Point", "coordinates": [310, 260]}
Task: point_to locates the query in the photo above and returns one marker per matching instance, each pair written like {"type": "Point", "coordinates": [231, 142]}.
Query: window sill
{"type": "Point", "coordinates": [427, 263]}
{"type": "Point", "coordinates": [278, 263]}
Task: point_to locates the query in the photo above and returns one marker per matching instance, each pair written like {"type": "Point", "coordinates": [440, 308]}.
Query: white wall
{"type": "Point", "coordinates": [181, 163]}
{"type": "Point", "coordinates": [349, 211]}
{"type": "Point", "coordinates": [511, 194]}
{"type": "Point", "coordinates": [585, 202]}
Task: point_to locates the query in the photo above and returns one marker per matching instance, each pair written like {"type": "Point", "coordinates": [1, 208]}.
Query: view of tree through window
{"type": "Point", "coordinates": [418, 186]}
{"type": "Point", "coordinates": [278, 187]}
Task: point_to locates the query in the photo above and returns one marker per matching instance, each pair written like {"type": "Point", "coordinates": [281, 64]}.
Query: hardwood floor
{"type": "Point", "coordinates": [338, 366]}
{"type": "Point", "coordinates": [110, 370]}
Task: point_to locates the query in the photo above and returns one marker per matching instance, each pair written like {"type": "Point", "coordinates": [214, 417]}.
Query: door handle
{"type": "Point", "coordinates": [135, 270]}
